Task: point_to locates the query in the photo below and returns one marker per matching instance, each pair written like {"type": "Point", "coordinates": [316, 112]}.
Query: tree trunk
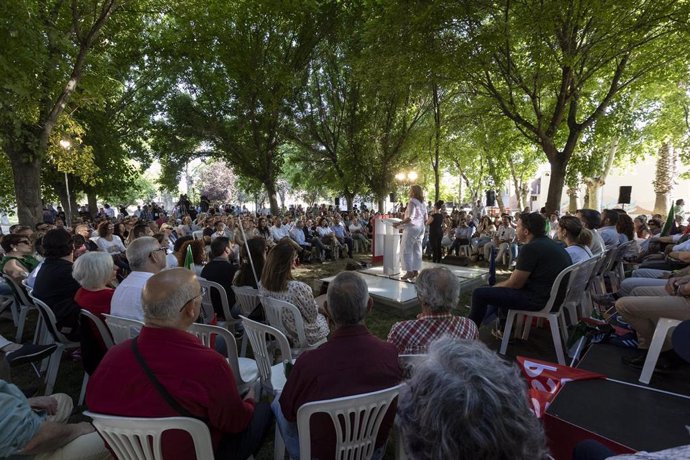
{"type": "Point", "coordinates": [93, 203]}
{"type": "Point", "coordinates": [381, 204]}
{"type": "Point", "coordinates": [27, 186]}
{"type": "Point", "coordinates": [661, 203]}
{"type": "Point", "coordinates": [272, 195]}
{"type": "Point", "coordinates": [499, 199]}
{"type": "Point", "coordinates": [665, 174]}
{"type": "Point", "coordinates": [350, 199]}
{"type": "Point", "coordinates": [525, 196]}
{"type": "Point", "coordinates": [593, 193]}
{"type": "Point", "coordinates": [572, 200]}
{"type": "Point", "coordinates": [553, 198]}
{"type": "Point", "coordinates": [437, 143]}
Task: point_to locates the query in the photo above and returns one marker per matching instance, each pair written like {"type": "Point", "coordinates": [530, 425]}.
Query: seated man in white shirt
{"type": "Point", "coordinates": [146, 257]}
{"type": "Point", "coordinates": [504, 240]}
{"type": "Point", "coordinates": [282, 232]}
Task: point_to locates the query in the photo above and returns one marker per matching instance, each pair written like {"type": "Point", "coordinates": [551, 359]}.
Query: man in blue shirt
{"type": "Point", "coordinates": [38, 426]}
{"type": "Point", "coordinates": [342, 235]}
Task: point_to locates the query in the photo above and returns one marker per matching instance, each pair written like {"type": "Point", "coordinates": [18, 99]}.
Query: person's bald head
{"type": "Point", "coordinates": [171, 298]}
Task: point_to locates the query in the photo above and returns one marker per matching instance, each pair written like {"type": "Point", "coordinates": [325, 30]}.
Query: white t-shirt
{"type": "Point", "coordinates": [126, 301]}
{"type": "Point", "coordinates": [112, 247]}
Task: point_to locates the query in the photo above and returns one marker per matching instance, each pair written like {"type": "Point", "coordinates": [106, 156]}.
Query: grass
{"type": "Point", "coordinates": [70, 375]}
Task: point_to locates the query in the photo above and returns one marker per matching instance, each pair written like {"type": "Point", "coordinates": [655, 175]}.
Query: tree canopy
{"type": "Point", "coordinates": [334, 98]}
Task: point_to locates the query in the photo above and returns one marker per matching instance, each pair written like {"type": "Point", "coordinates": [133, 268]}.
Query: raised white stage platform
{"type": "Point", "coordinates": [401, 295]}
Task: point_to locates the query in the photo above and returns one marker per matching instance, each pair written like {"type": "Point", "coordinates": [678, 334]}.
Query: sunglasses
{"type": "Point", "coordinates": [201, 294]}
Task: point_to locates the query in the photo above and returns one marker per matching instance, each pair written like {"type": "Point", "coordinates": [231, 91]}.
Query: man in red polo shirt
{"type": "Point", "coordinates": [198, 380]}
{"type": "Point", "coordinates": [352, 362]}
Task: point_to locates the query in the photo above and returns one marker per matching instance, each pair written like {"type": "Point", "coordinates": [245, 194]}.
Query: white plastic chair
{"type": "Point", "coordinates": [198, 234]}
{"type": "Point", "coordinates": [104, 334]}
{"type": "Point", "coordinates": [553, 312]}
{"type": "Point", "coordinates": [663, 327]}
{"type": "Point", "coordinates": [277, 313]}
{"type": "Point", "coordinates": [122, 329]}
{"type": "Point", "coordinates": [272, 376]}
{"type": "Point", "coordinates": [247, 298]}
{"type": "Point", "coordinates": [245, 370]}
{"type": "Point", "coordinates": [578, 288]}
{"type": "Point", "coordinates": [357, 420]}
{"type": "Point", "coordinates": [20, 309]}
{"type": "Point", "coordinates": [53, 336]}
{"type": "Point", "coordinates": [133, 438]}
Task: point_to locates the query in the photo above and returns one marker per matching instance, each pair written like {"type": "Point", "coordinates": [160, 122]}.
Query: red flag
{"type": "Point", "coordinates": [545, 379]}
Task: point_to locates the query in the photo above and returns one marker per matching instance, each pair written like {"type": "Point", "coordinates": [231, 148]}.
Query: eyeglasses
{"type": "Point", "coordinates": [159, 249]}
{"type": "Point", "coordinates": [24, 242]}
{"type": "Point", "coordinates": [201, 294]}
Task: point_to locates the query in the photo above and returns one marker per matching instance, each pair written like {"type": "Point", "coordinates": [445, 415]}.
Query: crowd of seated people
{"type": "Point", "coordinates": [76, 269]}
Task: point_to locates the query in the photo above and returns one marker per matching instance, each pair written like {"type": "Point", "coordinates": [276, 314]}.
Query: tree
{"type": "Point", "coordinates": [238, 75]}
{"type": "Point", "coordinates": [331, 120]}
{"type": "Point", "coordinates": [46, 46]}
{"type": "Point", "coordinates": [553, 68]}
{"type": "Point", "coordinates": [217, 181]}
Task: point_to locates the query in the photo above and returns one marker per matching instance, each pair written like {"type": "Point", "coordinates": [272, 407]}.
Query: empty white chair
{"type": "Point", "coordinates": [663, 327]}
{"type": "Point", "coordinates": [553, 312]}
{"type": "Point", "coordinates": [357, 420]}
{"type": "Point", "coordinates": [122, 329]}
{"type": "Point", "coordinates": [133, 438]}
{"type": "Point", "coordinates": [277, 312]}
{"type": "Point", "coordinates": [272, 376]}
{"type": "Point", "coordinates": [53, 336]}
{"type": "Point", "coordinates": [245, 370]}
{"type": "Point", "coordinates": [247, 298]}
{"type": "Point", "coordinates": [20, 309]}
{"type": "Point", "coordinates": [578, 287]}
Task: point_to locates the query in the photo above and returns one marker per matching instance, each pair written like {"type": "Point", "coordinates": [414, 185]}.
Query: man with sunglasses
{"type": "Point", "coordinates": [166, 372]}
{"type": "Point", "coordinates": [146, 257]}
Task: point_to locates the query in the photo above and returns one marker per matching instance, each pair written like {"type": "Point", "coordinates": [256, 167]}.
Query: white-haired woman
{"type": "Point", "coordinates": [463, 401]}
{"type": "Point", "coordinates": [94, 271]}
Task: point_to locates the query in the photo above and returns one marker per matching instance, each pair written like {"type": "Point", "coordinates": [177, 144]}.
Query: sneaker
{"type": "Point", "coordinates": [605, 300]}
{"type": "Point", "coordinates": [29, 353]}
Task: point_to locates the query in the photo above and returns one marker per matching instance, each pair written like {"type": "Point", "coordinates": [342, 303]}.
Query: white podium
{"type": "Point", "coordinates": [391, 247]}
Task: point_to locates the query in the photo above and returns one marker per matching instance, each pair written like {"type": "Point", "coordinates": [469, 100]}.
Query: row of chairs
{"type": "Point", "coordinates": [356, 419]}
{"type": "Point", "coordinates": [572, 293]}
{"type": "Point", "coordinates": [268, 368]}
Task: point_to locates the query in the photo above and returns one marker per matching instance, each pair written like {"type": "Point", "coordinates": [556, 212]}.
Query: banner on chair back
{"type": "Point", "coordinates": [545, 379]}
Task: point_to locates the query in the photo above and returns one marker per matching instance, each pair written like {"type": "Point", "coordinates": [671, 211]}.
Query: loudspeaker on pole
{"type": "Point", "coordinates": [490, 198]}
{"type": "Point", "coordinates": [624, 193]}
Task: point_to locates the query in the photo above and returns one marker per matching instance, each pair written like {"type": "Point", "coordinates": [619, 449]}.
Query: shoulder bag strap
{"type": "Point", "coordinates": [161, 389]}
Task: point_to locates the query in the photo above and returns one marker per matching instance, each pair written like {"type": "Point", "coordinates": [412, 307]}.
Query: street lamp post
{"type": "Point", "coordinates": [65, 144]}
